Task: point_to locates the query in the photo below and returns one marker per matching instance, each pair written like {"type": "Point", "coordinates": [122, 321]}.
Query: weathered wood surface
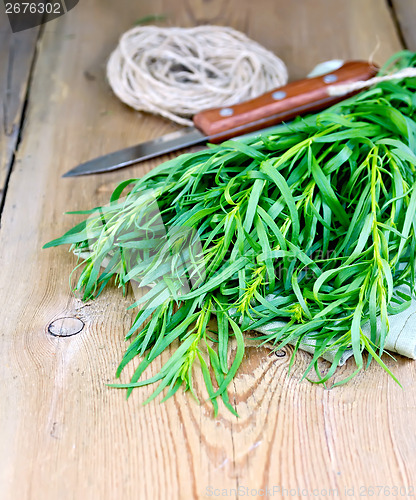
{"type": "Point", "coordinates": [16, 55]}
{"type": "Point", "coordinates": [405, 11]}
{"type": "Point", "coordinates": [63, 433]}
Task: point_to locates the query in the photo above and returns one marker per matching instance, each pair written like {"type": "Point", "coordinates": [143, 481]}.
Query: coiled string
{"type": "Point", "coordinates": [176, 72]}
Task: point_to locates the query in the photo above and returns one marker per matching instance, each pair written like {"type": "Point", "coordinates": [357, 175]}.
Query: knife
{"type": "Point", "coordinates": [216, 125]}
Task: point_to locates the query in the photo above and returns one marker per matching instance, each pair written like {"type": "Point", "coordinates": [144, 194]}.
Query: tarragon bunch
{"type": "Point", "coordinates": [313, 224]}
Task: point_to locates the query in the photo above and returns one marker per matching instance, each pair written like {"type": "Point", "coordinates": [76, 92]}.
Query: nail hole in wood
{"type": "Point", "coordinates": [65, 327]}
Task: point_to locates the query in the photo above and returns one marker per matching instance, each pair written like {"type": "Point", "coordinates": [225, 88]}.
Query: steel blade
{"type": "Point", "coordinates": [168, 143]}
{"type": "Point", "coordinates": [184, 138]}
{"type": "Point", "coordinates": [189, 136]}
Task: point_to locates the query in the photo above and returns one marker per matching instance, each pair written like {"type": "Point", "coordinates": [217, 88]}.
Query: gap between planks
{"type": "Point", "coordinates": [21, 52]}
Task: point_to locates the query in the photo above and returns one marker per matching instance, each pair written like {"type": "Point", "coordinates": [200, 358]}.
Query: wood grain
{"type": "Point", "coordinates": [405, 12]}
{"type": "Point", "coordinates": [63, 433]}
{"type": "Point", "coordinates": [17, 51]}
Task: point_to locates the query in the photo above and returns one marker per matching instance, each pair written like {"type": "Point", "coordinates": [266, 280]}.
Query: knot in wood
{"type": "Point", "coordinates": [280, 353]}
{"type": "Point", "coordinates": [65, 327]}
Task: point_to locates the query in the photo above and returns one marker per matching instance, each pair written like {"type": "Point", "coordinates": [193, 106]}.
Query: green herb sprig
{"type": "Point", "coordinates": [313, 224]}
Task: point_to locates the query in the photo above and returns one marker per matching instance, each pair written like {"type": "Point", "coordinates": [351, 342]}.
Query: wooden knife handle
{"type": "Point", "coordinates": [281, 104]}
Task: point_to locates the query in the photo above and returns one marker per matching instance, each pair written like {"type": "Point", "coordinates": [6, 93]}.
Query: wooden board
{"type": "Point", "coordinates": [63, 433]}
{"type": "Point", "coordinates": [405, 11]}
{"type": "Point", "coordinates": [17, 51]}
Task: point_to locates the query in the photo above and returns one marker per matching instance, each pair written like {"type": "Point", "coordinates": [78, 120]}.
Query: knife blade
{"type": "Point", "coordinates": [216, 125]}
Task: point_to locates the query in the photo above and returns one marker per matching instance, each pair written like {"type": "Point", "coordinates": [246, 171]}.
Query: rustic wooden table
{"type": "Point", "coordinates": [63, 433]}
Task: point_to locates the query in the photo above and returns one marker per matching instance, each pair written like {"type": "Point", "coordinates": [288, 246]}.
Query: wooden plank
{"type": "Point", "coordinates": [406, 14]}
{"type": "Point", "coordinates": [16, 55]}
{"type": "Point", "coordinates": [64, 434]}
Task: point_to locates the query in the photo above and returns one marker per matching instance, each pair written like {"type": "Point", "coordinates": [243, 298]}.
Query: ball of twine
{"type": "Point", "coordinates": [176, 72]}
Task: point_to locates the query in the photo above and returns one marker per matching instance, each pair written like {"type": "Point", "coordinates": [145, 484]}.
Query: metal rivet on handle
{"type": "Point", "coordinates": [279, 95]}
{"type": "Point", "coordinates": [330, 78]}
{"type": "Point", "coordinates": [226, 112]}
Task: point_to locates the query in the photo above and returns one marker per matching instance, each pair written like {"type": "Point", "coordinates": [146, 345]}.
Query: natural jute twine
{"type": "Point", "coordinates": [343, 89]}
{"type": "Point", "coordinates": [176, 72]}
